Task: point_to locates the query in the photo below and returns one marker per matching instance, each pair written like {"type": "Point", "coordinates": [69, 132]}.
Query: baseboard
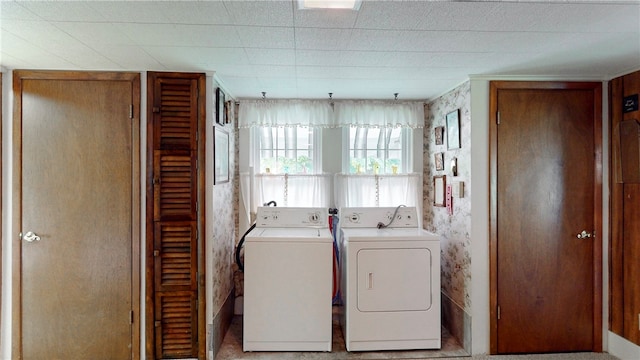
{"type": "Point", "coordinates": [221, 323]}
{"type": "Point", "coordinates": [457, 321]}
{"type": "Point", "coordinates": [622, 348]}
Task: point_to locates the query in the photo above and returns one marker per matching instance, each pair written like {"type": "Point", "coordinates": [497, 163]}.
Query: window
{"type": "Point", "coordinates": [287, 150]}
{"type": "Point", "coordinates": [288, 166]}
{"type": "Point", "coordinates": [378, 150]}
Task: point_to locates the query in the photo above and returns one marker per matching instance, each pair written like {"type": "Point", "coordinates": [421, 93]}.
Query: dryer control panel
{"type": "Point", "coordinates": [370, 217]}
{"type": "Point", "coordinates": [291, 217]}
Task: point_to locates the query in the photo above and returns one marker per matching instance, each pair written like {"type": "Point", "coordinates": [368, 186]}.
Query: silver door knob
{"type": "Point", "coordinates": [30, 236]}
{"type": "Point", "coordinates": [584, 234]}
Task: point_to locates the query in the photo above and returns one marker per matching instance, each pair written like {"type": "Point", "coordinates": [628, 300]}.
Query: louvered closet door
{"type": "Point", "coordinates": [175, 216]}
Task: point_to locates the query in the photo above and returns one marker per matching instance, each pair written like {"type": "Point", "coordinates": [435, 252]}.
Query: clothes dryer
{"type": "Point", "coordinates": [390, 280]}
{"type": "Point", "coordinates": [288, 280]}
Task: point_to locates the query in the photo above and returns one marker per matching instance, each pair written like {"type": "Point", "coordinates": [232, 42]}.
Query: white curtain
{"type": "Point", "coordinates": [285, 113]}
{"type": "Point", "coordinates": [293, 190]}
{"type": "Point", "coordinates": [380, 114]}
{"type": "Point", "coordinates": [378, 190]}
{"type": "Point", "coordinates": [322, 113]}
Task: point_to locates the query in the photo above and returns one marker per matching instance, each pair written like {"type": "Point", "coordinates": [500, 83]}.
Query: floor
{"type": "Point", "coordinates": [231, 349]}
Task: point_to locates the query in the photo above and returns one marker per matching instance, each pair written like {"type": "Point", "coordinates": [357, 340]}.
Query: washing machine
{"type": "Point", "coordinates": [390, 280]}
{"type": "Point", "coordinates": [288, 281]}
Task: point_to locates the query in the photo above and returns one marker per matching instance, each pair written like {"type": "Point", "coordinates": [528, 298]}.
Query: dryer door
{"type": "Point", "coordinates": [394, 279]}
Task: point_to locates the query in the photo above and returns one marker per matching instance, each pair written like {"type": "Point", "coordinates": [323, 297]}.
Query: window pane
{"type": "Point", "coordinates": [375, 150]}
{"type": "Point", "coordinates": [286, 150]}
{"type": "Point", "coordinates": [395, 139]}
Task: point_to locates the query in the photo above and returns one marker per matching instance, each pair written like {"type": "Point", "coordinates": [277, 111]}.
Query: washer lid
{"type": "Point", "coordinates": [388, 234]}
{"type": "Point", "coordinates": [290, 235]}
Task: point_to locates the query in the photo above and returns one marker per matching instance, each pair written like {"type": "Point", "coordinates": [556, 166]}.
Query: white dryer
{"type": "Point", "coordinates": [288, 280]}
{"type": "Point", "coordinates": [390, 281]}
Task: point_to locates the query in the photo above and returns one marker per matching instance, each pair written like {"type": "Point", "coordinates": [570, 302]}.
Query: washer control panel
{"type": "Point", "coordinates": [286, 217]}
{"type": "Point", "coordinates": [370, 217]}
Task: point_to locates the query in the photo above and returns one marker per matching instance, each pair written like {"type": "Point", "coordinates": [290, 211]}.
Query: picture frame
{"type": "Point", "coordinates": [220, 107]}
{"type": "Point", "coordinates": [439, 135]}
{"type": "Point", "coordinates": [439, 157]}
{"type": "Point", "coordinates": [453, 129]}
{"type": "Point", "coordinates": [439, 190]}
{"type": "Point", "coordinates": [220, 156]}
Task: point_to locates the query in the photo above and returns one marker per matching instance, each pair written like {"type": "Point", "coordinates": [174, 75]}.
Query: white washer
{"type": "Point", "coordinates": [288, 280]}
{"type": "Point", "coordinates": [390, 281]}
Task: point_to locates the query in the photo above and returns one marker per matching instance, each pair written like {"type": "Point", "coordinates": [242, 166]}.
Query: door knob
{"type": "Point", "coordinates": [30, 236]}
{"type": "Point", "coordinates": [584, 234]}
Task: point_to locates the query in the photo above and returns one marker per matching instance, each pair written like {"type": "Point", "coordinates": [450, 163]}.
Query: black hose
{"type": "Point", "coordinates": [238, 261]}
{"type": "Point", "coordinates": [239, 247]}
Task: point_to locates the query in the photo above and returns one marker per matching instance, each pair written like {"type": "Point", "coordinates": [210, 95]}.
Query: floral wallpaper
{"type": "Point", "coordinates": [223, 222]}
{"type": "Point", "coordinates": [454, 229]}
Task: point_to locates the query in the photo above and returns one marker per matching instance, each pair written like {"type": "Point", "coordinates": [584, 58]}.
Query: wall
{"type": "Point", "coordinates": [625, 228]}
{"type": "Point", "coordinates": [455, 229]}
{"type": "Point", "coordinates": [612, 343]}
{"type": "Point", "coordinates": [221, 229]}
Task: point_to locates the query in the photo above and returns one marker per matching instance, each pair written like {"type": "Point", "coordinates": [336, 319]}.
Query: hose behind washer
{"type": "Point", "coordinates": [241, 242]}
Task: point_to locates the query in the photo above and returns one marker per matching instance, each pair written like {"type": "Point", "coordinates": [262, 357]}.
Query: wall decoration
{"type": "Point", "coordinates": [439, 132]}
{"type": "Point", "coordinates": [439, 161]}
{"type": "Point", "coordinates": [220, 156]}
{"type": "Point", "coordinates": [220, 108]}
{"type": "Point", "coordinates": [453, 129]}
{"type": "Point", "coordinates": [439, 190]}
{"type": "Point", "coordinates": [228, 111]}
{"type": "Point", "coordinates": [454, 166]}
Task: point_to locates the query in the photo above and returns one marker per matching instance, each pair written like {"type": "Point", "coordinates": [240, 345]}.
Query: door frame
{"type": "Point", "coordinates": [134, 80]}
{"type": "Point", "coordinates": [495, 87]}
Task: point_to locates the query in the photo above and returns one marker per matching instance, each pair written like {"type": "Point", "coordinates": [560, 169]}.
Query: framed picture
{"type": "Point", "coordinates": [439, 161]}
{"type": "Point", "coordinates": [220, 156]}
{"type": "Point", "coordinates": [220, 108]}
{"type": "Point", "coordinates": [439, 133]}
{"type": "Point", "coordinates": [439, 190]}
{"type": "Point", "coordinates": [453, 129]}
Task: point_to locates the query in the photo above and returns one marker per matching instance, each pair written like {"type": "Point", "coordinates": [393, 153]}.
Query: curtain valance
{"type": "Point", "coordinates": [380, 114]}
{"type": "Point", "coordinates": [284, 113]}
{"type": "Point", "coordinates": [322, 113]}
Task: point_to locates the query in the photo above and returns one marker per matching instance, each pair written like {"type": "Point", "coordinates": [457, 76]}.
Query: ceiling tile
{"type": "Point", "coordinates": [326, 18]}
{"type": "Point", "coordinates": [266, 37]}
{"type": "Point", "coordinates": [271, 56]}
{"type": "Point", "coordinates": [173, 57]}
{"type": "Point", "coordinates": [11, 10]}
{"type": "Point", "coordinates": [91, 33]}
{"type": "Point", "coordinates": [261, 13]}
{"type": "Point", "coordinates": [388, 15]}
{"type": "Point", "coordinates": [322, 39]}
{"type": "Point", "coordinates": [181, 35]}
{"type": "Point", "coordinates": [64, 10]}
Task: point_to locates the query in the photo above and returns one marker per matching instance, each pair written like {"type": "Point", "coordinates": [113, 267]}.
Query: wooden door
{"type": "Point", "coordinates": [76, 188]}
{"type": "Point", "coordinates": [175, 213]}
{"type": "Point", "coordinates": [545, 190]}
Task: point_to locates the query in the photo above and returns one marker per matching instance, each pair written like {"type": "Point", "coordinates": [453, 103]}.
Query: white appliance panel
{"type": "Point", "coordinates": [288, 283]}
{"type": "Point", "coordinates": [365, 323]}
{"type": "Point", "coordinates": [297, 309]}
{"type": "Point", "coordinates": [289, 234]}
{"type": "Point", "coordinates": [394, 279]}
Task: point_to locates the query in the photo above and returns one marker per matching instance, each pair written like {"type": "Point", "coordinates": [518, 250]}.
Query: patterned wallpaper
{"type": "Point", "coordinates": [223, 221]}
{"type": "Point", "coordinates": [454, 229]}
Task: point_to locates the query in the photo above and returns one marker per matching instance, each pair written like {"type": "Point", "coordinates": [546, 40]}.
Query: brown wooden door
{"type": "Point", "coordinates": [77, 190]}
{"type": "Point", "coordinates": [546, 190]}
{"type": "Point", "coordinates": [175, 306]}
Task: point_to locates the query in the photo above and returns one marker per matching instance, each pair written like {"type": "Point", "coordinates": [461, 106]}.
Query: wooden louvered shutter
{"type": "Point", "coordinates": [175, 216]}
